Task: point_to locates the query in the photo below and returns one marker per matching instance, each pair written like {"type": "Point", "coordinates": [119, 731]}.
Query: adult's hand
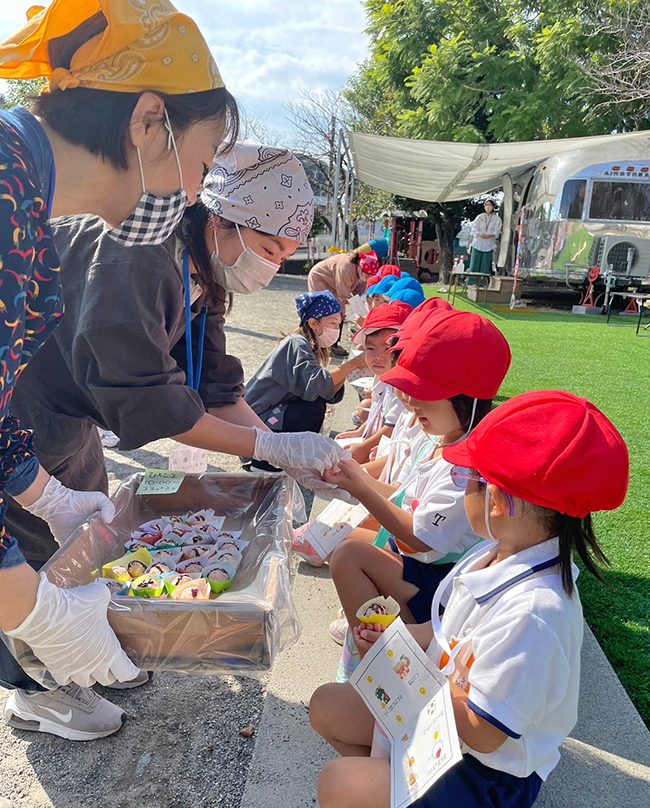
{"type": "Point", "coordinates": [310, 479]}
{"type": "Point", "coordinates": [298, 450]}
{"type": "Point", "coordinates": [64, 509]}
{"type": "Point", "coordinates": [68, 631]}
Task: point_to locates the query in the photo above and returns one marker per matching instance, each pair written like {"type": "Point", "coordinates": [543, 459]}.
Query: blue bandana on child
{"type": "Point", "coordinates": [317, 305]}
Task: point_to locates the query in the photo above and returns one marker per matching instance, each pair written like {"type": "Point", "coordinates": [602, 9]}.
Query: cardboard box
{"type": "Point", "coordinates": [242, 630]}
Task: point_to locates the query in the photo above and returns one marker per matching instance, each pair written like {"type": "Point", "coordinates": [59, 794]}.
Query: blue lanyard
{"type": "Point", "coordinates": [188, 330]}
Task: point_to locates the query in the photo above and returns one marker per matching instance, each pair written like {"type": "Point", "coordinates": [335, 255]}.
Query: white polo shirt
{"type": "Point", "coordinates": [385, 408]}
{"type": "Point", "coordinates": [524, 672]}
{"type": "Point", "coordinates": [438, 508]}
{"type": "Point", "coordinates": [402, 447]}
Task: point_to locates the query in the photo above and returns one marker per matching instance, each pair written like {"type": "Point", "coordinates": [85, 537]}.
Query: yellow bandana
{"type": "Point", "coordinates": [146, 45]}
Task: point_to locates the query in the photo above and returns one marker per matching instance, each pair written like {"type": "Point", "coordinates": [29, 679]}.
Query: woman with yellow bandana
{"type": "Point", "coordinates": [132, 114]}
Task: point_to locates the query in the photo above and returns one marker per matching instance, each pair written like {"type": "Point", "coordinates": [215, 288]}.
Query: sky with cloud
{"type": "Point", "coordinates": [266, 50]}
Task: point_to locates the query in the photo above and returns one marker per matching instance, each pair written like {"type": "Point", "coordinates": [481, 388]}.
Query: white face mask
{"type": "Point", "coordinates": [328, 337]}
{"type": "Point", "coordinates": [247, 275]}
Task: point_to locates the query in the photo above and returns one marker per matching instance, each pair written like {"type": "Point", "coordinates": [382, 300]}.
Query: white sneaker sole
{"type": "Point", "coordinates": [21, 718]}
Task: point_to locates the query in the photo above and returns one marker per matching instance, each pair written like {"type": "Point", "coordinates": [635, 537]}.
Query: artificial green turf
{"type": "Point", "coordinates": [610, 366]}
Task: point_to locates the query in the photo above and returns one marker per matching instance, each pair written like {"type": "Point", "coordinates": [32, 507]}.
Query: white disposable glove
{"type": "Point", "coordinates": [298, 450]}
{"type": "Point", "coordinates": [64, 509]}
{"type": "Point", "coordinates": [69, 632]}
{"type": "Point", "coordinates": [315, 483]}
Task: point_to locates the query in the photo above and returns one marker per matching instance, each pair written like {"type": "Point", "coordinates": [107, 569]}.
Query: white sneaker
{"type": "Point", "coordinates": [71, 712]}
{"type": "Point", "coordinates": [109, 439]}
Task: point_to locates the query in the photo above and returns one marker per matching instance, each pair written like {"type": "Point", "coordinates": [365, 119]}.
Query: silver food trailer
{"type": "Point", "coordinates": [586, 201]}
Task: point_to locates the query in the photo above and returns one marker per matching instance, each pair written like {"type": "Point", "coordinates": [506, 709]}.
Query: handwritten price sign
{"type": "Point", "coordinates": [157, 481]}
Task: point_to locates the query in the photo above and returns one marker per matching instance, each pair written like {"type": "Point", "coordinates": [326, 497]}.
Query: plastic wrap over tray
{"type": "Point", "coordinates": [243, 629]}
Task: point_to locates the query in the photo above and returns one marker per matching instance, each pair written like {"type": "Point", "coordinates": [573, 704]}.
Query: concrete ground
{"type": "Point", "coordinates": [180, 746]}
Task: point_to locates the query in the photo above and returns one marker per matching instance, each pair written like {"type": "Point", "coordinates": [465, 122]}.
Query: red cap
{"type": "Point", "coordinates": [372, 280]}
{"type": "Point", "coordinates": [369, 263]}
{"type": "Point", "coordinates": [385, 316]}
{"type": "Point", "coordinates": [416, 319]}
{"type": "Point", "coordinates": [552, 449]}
{"type": "Point", "coordinates": [454, 352]}
{"type": "Point", "coordinates": [390, 269]}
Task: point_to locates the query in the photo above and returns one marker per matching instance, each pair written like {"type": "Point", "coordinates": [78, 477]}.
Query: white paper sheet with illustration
{"type": "Point", "coordinates": [358, 305]}
{"type": "Point", "coordinates": [411, 701]}
{"type": "Point", "coordinates": [334, 523]}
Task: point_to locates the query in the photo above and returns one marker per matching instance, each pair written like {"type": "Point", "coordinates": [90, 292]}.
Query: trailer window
{"type": "Point", "coordinates": [620, 201]}
{"type": "Point", "coordinates": [573, 199]}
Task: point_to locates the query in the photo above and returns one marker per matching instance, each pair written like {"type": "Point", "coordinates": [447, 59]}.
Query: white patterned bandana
{"type": "Point", "coordinates": [261, 187]}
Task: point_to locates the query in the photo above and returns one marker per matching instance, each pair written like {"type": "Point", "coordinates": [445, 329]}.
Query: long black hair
{"type": "Point", "coordinates": [574, 534]}
{"type": "Point", "coordinates": [191, 232]}
{"type": "Point", "coordinates": [98, 120]}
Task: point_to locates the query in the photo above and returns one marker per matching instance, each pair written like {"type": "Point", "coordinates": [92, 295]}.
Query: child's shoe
{"type": "Point", "coordinates": [304, 549]}
{"type": "Point", "coordinates": [349, 659]}
{"type": "Point", "coordinates": [338, 629]}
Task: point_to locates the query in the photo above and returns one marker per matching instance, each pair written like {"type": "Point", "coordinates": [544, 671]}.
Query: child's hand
{"type": "Point", "coordinates": [359, 453]}
{"type": "Point", "coordinates": [350, 434]}
{"type": "Point", "coordinates": [366, 635]}
{"type": "Point", "coordinates": [349, 476]}
{"type": "Point", "coordinates": [373, 453]}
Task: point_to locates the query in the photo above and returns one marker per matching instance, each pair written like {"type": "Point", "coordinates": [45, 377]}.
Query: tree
{"type": "Point", "coordinates": [485, 71]}
{"type": "Point", "coordinates": [19, 92]}
{"type": "Point", "coordinates": [621, 76]}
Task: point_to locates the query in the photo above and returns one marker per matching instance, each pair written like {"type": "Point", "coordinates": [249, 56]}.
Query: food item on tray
{"type": "Point", "coordinates": [169, 541]}
{"type": "Point", "coordinates": [193, 565]}
{"type": "Point", "coordinates": [226, 557]}
{"type": "Point", "coordinates": [228, 546]}
{"type": "Point", "coordinates": [159, 568]}
{"type": "Point", "coordinates": [115, 587]}
{"type": "Point", "coordinates": [192, 590]}
{"type": "Point", "coordinates": [136, 568]}
{"type": "Point", "coordinates": [148, 586]}
{"type": "Point", "coordinates": [225, 535]}
{"type": "Point", "coordinates": [180, 578]}
{"type": "Point", "coordinates": [136, 544]}
{"type": "Point", "coordinates": [198, 550]}
{"type": "Point", "coordinates": [199, 517]}
{"type": "Point", "coordinates": [145, 536]}
{"type": "Point", "coordinates": [218, 574]}
{"type": "Point", "coordinates": [198, 536]}
{"type": "Point", "coordinates": [120, 573]}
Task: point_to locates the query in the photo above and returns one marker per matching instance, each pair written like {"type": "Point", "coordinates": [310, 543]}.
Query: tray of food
{"type": "Point", "coordinates": [199, 579]}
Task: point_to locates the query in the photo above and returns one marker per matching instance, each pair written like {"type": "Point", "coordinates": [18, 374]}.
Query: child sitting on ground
{"type": "Point", "coordinates": [510, 638]}
{"type": "Point", "coordinates": [448, 372]}
{"type": "Point", "coordinates": [385, 406]}
{"type": "Point", "coordinates": [293, 386]}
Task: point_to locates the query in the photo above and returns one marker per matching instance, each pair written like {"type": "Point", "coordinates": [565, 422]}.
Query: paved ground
{"type": "Point", "coordinates": [181, 747]}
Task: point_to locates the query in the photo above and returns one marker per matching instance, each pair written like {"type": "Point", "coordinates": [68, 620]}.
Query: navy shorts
{"type": "Point", "coordinates": [426, 577]}
{"type": "Point", "coordinates": [470, 784]}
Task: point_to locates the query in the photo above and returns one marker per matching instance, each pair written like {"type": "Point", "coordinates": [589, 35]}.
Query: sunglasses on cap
{"type": "Point", "coordinates": [460, 476]}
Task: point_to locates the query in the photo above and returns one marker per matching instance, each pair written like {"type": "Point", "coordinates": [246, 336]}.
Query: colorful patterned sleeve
{"type": "Point", "coordinates": [30, 294]}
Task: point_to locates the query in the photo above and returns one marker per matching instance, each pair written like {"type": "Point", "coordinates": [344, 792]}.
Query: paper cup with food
{"type": "Point", "coordinates": [228, 545]}
{"type": "Point", "coordinates": [192, 590]}
{"type": "Point", "coordinates": [148, 586]}
{"type": "Point", "coordinates": [227, 535]}
{"type": "Point", "coordinates": [379, 610]}
{"type": "Point", "coordinates": [116, 568]}
{"type": "Point", "coordinates": [229, 555]}
{"type": "Point", "coordinates": [198, 551]}
{"type": "Point", "coordinates": [219, 575]}
{"type": "Point", "coordinates": [173, 580]}
{"type": "Point", "coordinates": [115, 587]}
{"type": "Point", "coordinates": [192, 565]}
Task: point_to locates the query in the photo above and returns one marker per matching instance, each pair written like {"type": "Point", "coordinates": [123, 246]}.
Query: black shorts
{"type": "Point", "coordinates": [426, 577]}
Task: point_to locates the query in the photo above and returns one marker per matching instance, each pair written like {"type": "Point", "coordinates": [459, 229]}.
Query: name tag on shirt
{"type": "Point", "coordinates": [188, 459]}
{"type": "Point", "coordinates": [410, 700]}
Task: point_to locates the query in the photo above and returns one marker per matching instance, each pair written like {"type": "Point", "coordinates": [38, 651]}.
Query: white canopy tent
{"type": "Point", "coordinates": [441, 171]}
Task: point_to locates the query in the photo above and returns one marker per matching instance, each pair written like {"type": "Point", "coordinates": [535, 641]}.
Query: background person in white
{"type": "Point", "coordinates": [486, 229]}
